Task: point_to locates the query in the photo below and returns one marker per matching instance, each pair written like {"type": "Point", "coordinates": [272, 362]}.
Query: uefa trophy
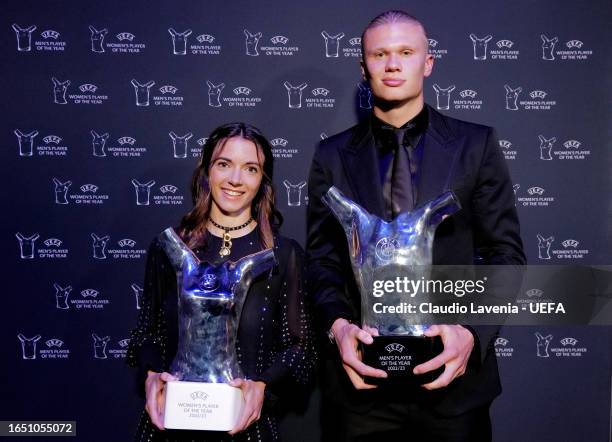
{"type": "Point", "coordinates": [384, 251]}
{"type": "Point", "coordinates": [210, 300]}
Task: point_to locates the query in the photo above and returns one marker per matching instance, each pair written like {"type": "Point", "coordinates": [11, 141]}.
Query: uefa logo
{"type": "Point", "coordinates": [87, 93]}
{"type": "Point", "coordinates": [320, 97]}
{"type": "Point", "coordinates": [52, 145]}
{"type": "Point", "coordinates": [395, 347]}
{"type": "Point", "coordinates": [574, 50]}
{"type": "Point", "coordinates": [282, 149]}
{"type": "Point", "coordinates": [88, 195]}
{"type": "Point", "coordinates": [537, 196]}
{"type": "Point", "coordinates": [572, 150]}
{"type": "Point", "coordinates": [537, 100]}
{"type": "Point", "coordinates": [209, 283]}
{"type": "Point", "coordinates": [436, 49]}
{"type": "Point", "coordinates": [201, 395]}
{"type": "Point", "coordinates": [503, 348]}
{"type": "Point", "coordinates": [279, 45]}
{"type": "Point", "coordinates": [168, 197]}
{"type": "Point", "coordinates": [509, 151]}
{"type": "Point", "coordinates": [386, 249]}
{"type": "Point", "coordinates": [468, 99]}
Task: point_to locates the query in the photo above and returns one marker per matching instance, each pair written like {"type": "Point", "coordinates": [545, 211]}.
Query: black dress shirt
{"type": "Point", "coordinates": [386, 144]}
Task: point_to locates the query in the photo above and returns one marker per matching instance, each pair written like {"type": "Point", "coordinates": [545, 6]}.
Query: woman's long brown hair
{"type": "Point", "coordinates": [193, 225]}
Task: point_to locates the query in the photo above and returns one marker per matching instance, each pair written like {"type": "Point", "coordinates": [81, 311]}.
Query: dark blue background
{"type": "Point", "coordinates": [544, 399]}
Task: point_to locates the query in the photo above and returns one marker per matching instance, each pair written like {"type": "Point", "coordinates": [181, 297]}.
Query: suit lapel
{"type": "Point", "coordinates": [437, 173]}
{"type": "Point", "coordinates": [440, 152]}
{"type": "Point", "coordinates": [361, 169]}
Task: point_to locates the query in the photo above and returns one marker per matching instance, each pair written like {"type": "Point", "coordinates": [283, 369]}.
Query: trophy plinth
{"type": "Point", "coordinates": [202, 406]}
{"type": "Point", "coordinates": [210, 301]}
{"type": "Point", "coordinates": [398, 355]}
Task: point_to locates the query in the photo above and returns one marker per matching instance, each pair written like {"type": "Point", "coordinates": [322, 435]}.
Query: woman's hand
{"type": "Point", "coordinates": [253, 393]}
{"type": "Point", "coordinates": [155, 390]}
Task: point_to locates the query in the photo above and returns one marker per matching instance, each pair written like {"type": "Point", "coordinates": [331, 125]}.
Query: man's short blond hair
{"type": "Point", "coordinates": [392, 16]}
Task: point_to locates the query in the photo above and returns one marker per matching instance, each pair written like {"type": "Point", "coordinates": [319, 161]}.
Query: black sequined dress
{"type": "Point", "coordinates": [274, 344]}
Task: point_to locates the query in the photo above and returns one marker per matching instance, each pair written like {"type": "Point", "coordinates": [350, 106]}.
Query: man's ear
{"type": "Point", "coordinates": [364, 70]}
{"type": "Point", "coordinates": [429, 62]}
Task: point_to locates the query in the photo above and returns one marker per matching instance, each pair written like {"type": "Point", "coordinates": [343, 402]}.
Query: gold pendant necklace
{"type": "Point", "coordinates": [226, 247]}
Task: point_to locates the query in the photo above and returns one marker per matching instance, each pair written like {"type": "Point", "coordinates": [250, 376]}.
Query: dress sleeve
{"type": "Point", "coordinates": [296, 358]}
{"type": "Point", "coordinates": [148, 341]}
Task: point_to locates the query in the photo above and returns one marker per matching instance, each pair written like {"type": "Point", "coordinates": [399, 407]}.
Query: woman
{"type": "Point", "coordinates": [233, 216]}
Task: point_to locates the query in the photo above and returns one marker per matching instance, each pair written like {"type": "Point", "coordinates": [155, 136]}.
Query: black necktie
{"type": "Point", "coordinates": [402, 196]}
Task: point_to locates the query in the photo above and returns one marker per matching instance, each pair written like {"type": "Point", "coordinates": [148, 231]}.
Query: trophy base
{"type": "Point", "coordinates": [398, 355]}
{"type": "Point", "coordinates": [202, 406]}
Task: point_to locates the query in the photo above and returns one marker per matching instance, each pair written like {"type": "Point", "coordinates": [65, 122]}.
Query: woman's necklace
{"type": "Point", "coordinates": [226, 248]}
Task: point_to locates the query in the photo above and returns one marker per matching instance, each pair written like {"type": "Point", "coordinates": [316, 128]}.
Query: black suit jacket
{"type": "Point", "coordinates": [459, 156]}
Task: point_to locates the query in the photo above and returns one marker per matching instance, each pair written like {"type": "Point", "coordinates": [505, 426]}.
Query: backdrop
{"type": "Point", "coordinates": [106, 106]}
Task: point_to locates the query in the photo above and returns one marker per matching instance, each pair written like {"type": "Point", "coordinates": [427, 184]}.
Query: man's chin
{"type": "Point", "coordinates": [392, 101]}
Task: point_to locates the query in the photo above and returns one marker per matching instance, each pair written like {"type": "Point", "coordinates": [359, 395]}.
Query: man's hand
{"type": "Point", "coordinates": [458, 343]}
{"type": "Point", "coordinates": [347, 338]}
{"type": "Point", "coordinates": [253, 393]}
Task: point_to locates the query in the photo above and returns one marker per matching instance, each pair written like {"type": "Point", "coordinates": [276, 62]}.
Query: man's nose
{"type": "Point", "coordinates": [393, 63]}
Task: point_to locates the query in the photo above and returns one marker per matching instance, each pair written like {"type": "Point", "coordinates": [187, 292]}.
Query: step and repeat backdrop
{"type": "Point", "coordinates": [106, 106]}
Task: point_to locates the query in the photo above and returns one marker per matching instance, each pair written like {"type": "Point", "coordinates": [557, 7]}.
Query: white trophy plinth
{"type": "Point", "coordinates": [202, 406]}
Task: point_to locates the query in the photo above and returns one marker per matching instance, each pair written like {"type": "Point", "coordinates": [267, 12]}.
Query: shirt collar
{"type": "Point", "coordinates": [416, 126]}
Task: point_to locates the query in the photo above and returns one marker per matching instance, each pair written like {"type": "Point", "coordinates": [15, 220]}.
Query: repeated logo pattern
{"type": "Point", "coordinates": [156, 91]}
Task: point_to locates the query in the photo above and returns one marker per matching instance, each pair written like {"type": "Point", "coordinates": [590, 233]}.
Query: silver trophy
{"type": "Point", "coordinates": [210, 301]}
{"type": "Point", "coordinates": [382, 253]}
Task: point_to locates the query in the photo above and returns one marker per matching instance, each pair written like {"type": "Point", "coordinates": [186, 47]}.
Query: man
{"type": "Point", "coordinates": [404, 155]}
